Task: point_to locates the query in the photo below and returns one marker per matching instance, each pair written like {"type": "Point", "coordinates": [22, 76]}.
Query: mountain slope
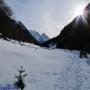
{"type": "Point", "coordinates": [12, 29]}
{"type": "Point", "coordinates": [76, 35]}
{"type": "Point", "coordinates": [47, 69]}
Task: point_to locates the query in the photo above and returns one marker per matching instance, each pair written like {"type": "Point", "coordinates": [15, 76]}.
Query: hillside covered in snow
{"type": "Point", "coordinates": [55, 69]}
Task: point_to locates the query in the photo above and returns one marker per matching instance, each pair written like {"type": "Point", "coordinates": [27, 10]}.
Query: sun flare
{"type": "Point", "coordinates": [79, 10]}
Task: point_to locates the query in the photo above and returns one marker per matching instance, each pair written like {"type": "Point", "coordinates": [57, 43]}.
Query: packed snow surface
{"type": "Point", "coordinates": [55, 69]}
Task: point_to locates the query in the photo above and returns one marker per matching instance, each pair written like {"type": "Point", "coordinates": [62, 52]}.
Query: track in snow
{"type": "Point", "coordinates": [74, 76]}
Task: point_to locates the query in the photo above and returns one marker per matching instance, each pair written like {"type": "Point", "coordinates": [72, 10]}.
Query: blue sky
{"type": "Point", "coordinates": [45, 16]}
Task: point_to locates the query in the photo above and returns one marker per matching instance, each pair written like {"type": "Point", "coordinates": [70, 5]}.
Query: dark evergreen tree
{"type": "Point", "coordinates": [20, 84]}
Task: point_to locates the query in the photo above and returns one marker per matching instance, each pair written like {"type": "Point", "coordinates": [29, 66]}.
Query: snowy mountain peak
{"type": "Point", "coordinates": [35, 34]}
{"type": "Point", "coordinates": [40, 38]}
{"type": "Point", "coordinates": [44, 37]}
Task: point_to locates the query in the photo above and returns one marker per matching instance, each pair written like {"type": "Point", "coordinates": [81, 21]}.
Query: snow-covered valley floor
{"type": "Point", "coordinates": [55, 69]}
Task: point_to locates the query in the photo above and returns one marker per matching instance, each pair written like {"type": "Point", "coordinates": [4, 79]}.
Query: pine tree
{"type": "Point", "coordinates": [20, 79]}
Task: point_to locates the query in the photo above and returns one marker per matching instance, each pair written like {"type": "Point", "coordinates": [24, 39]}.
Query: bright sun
{"type": "Point", "coordinates": [79, 10]}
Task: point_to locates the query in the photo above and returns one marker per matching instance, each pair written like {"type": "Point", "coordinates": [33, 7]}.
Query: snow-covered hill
{"type": "Point", "coordinates": [47, 69]}
{"type": "Point", "coordinates": [40, 38]}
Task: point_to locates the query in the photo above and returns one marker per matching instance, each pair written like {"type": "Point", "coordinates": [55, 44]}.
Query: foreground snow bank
{"type": "Point", "coordinates": [47, 69]}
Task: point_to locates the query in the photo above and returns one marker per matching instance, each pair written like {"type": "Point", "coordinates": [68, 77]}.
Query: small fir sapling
{"type": "Point", "coordinates": [20, 84]}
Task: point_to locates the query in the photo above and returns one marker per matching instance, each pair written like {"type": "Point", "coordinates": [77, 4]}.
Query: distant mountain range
{"type": "Point", "coordinates": [40, 38]}
{"type": "Point", "coordinates": [74, 36]}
